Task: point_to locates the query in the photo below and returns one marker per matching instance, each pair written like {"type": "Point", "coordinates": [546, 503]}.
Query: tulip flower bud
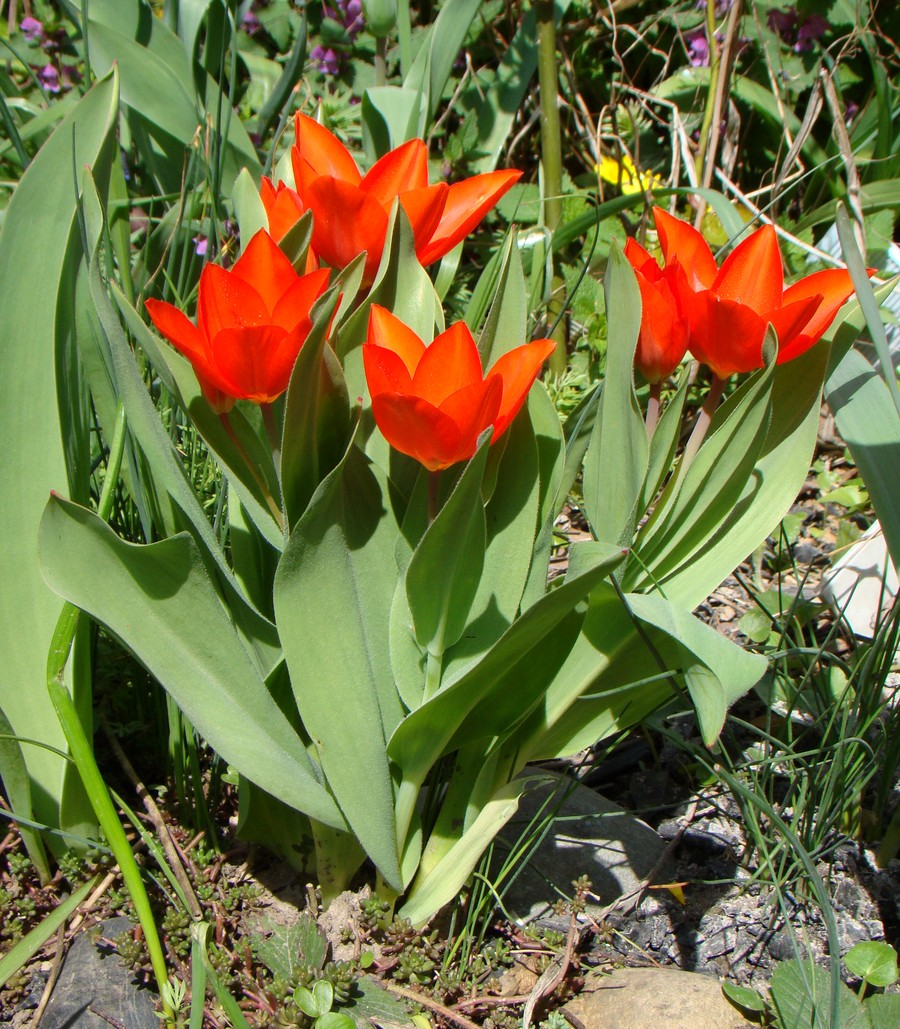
{"type": "Point", "coordinates": [381, 16]}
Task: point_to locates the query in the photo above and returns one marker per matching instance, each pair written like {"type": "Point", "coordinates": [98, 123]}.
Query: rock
{"type": "Point", "coordinates": [92, 985]}
{"type": "Point", "coordinates": [649, 998]}
{"type": "Point", "coordinates": [590, 836]}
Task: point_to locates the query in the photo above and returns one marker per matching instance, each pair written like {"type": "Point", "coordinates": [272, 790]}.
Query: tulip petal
{"type": "Point", "coordinates": [424, 208]}
{"type": "Point", "coordinates": [403, 168]}
{"type": "Point", "coordinates": [178, 329]}
{"type": "Point", "coordinates": [346, 222]}
{"type": "Point", "coordinates": [683, 243]}
{"type": "Point", "coordinates": [319, 152]}
{"type": "Point", "coordinates": [294, 304]}
{"type": "Point", "coordinates": [264, 266]}
{"type": "Point", "coordinates": [386, 330]}
{"type": "Point", "coordinates": [450, 363]}
{"type": "Point", "coordinates": [226, 300]}
{"type": "Point", "coordinates": [663, 337]}
{"type": "Point", "coordinates": [474, 408]}
{"type": "Point", "coordinates": [517, 369]}
{"type": "Point", "coordinates": [418, 429]}
{"type": "Point", "coordinates": [834, 286]}
{"type": "Point", "coordinates": [385, 371]}
{"type": "Point", "coordinates": [467, 203]}
{"type": "Point", "coordinates": [257, 361]}
{"type": "Point", "coordinates": [725, 335]}
{"type": "Point", "coordinates": [752, 274]}
{"type": "Point", "coordinates": [640, 259]}
{"type": "Point", "coordinates": [283, 205]}
{"type": "Point", "coordinates": [789, 323]}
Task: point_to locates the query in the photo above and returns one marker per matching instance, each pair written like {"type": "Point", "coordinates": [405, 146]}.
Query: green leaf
{"type": "Point", "coordinates": [334, 1020]}
{"type": "Point", "coordinates": [876, 962]}
{"type": "Point", "coordinates": [161, 602]}
{"type": "Point", "coordinates": [618, 451]}
{"type": "Point", "coordinates": [505, 326]}
{"type": "Point", "coordinates": [17, 786]}
{"type": "Point", "coordinates": [29, 945]}
{"type": "Point", "coordinates": [867, 421]}
{"type": "Point", "coordinates": [39, 256]}
{"type": "Point", "coordinates": [286, 949]}
{"type": "Point", "coordinates": [883, 1010]}
{"type": "Point", "coordinates": [370, 1003]}
{"type": "Point", "coordinates": [449, 876]}
{"type": "Point", "coordinates": [801, 997]}
{"type": "Point", "coordinates": [445, 569]}
{"type": "Point", "coordinates": [316, 416]}
{"type": "Point", "coordinates": [496, 692]}
{"type": "Point", "coordinates": [744, 998]}
{"type": "Point", "coordinates": [335, 582]}
{"type": "Point", "coordinates": [716, 670]}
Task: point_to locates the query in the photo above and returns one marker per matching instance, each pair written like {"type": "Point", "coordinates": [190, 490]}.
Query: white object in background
{"type": "Point", "coordinates": [863, 583]}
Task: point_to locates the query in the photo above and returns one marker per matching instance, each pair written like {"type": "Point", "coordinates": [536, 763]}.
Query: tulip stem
{"type": "Point", "coordinates": [272, 432]}
{"type": "Point", "coordinates": [703, 421]}
{"type": "Point", "coordinates": [653, 408]}
{"type": "Point", "coordinates": [254, 471]}
{"type": "Point", "coordinates": [381, 61]}
{"type": "Point", "coordinates": [434, 495]}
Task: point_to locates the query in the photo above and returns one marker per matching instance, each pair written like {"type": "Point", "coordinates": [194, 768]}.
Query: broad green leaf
{"type": "Point", "coordinates": [876, 962]}
{"type": "Point", "coordinates": [286, 949]}
{"type": "Point", "coordinates": [801, 994]}
{"type": "Point", "coordinates": [505, 326]}
{"type": "Point", "coordinates": [401, 285]}
{"type": "Point", "coordinates": [371, 1004]}
{"type": "Point", "coordinates": [249, 209]}
{"type": "Point", "coordinates": [434, 61]}
{"type": "Point", "coordinates": [883, 1010]}
{"type": "Point", "coordinates": [511, 518]}
{"type": "Point", "coordinates": [616, 462]}
{"type": "Point", "coordinates": [444, 571]}
{"type": "Point", "coordinates": [161, 602]}
{"type": "Point", "coordinates": [333, 593]}
{"type": "Point", "coordinates": [780, 469]}
{"type": "Point", "coordinates": [39, 255]}
{"type": "Point", "coordinates": [867, 421]}
{"type": "Point", "coordinates": [179, 378]}
{"type": "Point", "coordinates": [387, 113]}
{"type": "Point", "coordinates": [450, 875]}
{"type": "Point", "coordinates": [716, 670]}
{"type": "Point", "coordinates": [551, 456]}
{"type": "Point", "coordinates": [700, 497]}
{"type": "Point", "coordinates": [495, 692]}
{"type": "Point", "coordinates": [743, 997]}
{"type": "Point", "coordinates": [316, 416]}
{"type": "Point", "coordinates": [17, 787]}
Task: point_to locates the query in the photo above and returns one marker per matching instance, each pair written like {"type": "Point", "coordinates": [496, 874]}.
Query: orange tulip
{"type": "Point", "coordinates": [433, 402]}
{"type": "Point", "coordinates": [663, 338]}
{"type": "Point", "coordinates": [729, 308]}
{"type": "Point", "coordinates": [351, 210]}
{"type": "Point", "coordinates": [251, 323]}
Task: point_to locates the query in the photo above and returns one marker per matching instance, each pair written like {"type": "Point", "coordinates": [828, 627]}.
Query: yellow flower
{"type": "Point", "coordinates": [624, 174]}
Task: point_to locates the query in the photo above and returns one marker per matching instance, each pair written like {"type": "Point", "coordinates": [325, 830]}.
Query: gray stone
{"type": "Point", "coordinates": [590, 836]}
{"type": "Point", "coordinates": [650, 998]}
{"type": "Point", "coordinates": [92, 985]}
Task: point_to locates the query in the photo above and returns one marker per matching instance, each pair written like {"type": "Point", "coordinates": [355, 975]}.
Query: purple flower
{"type": "Point", "coordinates": [782, 22]}
{"type": "Point", "coordinates": [32, 30]}
{"type": "Point", "coordinates": [200, 245]}
{"type": "Point", "coordinates": [348, 13]}
{"type": "Point", "coordinates": [326, 61]}
{"type": "Point", "coordinates": [71, 76]}
{"type": "Point", "coordinates": [49, 78]}
{"type": "Point", "coordinates": [698, 48]}
{"type": "Point", "coordinates": [250, 23]}
{"type": "Point", "coordinates": [809, 32]}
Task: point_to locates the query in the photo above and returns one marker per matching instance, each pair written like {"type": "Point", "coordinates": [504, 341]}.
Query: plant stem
{"type": "Point", "coordinates": [703, 419]}
{"type": "Point", "coordinates": [381, 61]}
{"type": "Point", "coordinates": [706, 126]}
{"type": "Point", "coordinates": [653, 408]}
{"type": "Point", "coordinates": [274, 509]}
{"type": "Point", "coordinates": [434, 495]}
{"type": "Point", "coordinates": [551, 162]}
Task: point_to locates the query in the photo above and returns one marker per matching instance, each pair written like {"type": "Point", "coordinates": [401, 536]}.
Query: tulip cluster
{"type": "Point", "coordinates": [431, 403]}
{"type": "Point", "coordinates": [721, 314]}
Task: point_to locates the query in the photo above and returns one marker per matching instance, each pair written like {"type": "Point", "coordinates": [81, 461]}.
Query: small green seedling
{"type": "Point", "coordinates": [800, 994]}
{"type": "Point", "coordinates": [317, 1004]}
